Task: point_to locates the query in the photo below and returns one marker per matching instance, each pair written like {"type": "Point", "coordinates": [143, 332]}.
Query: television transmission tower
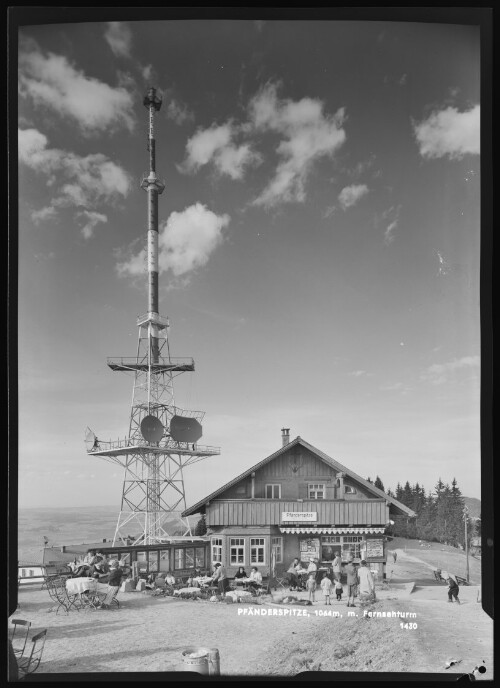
{"type": "Point", "coordinates": [162, 438]}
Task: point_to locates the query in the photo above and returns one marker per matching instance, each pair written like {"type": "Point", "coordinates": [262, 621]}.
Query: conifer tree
{"type": "Point", "coordinates": [379, 483]}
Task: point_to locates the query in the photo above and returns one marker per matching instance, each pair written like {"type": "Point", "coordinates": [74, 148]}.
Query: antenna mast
{"type": "Point", "coordinates": [162, 438]}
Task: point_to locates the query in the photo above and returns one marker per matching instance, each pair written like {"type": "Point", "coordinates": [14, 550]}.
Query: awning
{"type": "Point", "coordinates": [333, 531]}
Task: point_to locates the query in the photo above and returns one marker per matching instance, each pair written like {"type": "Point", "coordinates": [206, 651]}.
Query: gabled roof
{"type": "Point", "coordinates": [402, 508]}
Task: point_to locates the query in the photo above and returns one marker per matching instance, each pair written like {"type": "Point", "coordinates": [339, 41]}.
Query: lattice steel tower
{"type": "Point", "coordinates": [162, 438]}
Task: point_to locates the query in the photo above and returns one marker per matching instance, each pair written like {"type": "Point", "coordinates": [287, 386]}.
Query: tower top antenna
{"type": "Point", "coordinates": [151, 99]}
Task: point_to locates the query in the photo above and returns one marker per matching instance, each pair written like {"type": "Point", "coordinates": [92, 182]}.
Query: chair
{"type": "Point", "coordinates": [56, 587]}
{"type": "Point", "coordinates": [28, 665]}
{"type": "Point", "coordinates": [19, 635]}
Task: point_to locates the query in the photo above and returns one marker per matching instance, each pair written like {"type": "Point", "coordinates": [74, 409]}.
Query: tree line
{"type": "Point", "coordinates": [440, 513]}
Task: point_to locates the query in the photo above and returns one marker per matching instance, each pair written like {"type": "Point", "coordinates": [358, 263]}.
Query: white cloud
{"type": "Point", "coordinates": [308, 135]}
{"type": "Point", "coordinates": [46, 213]}
{"type": "Point", "coordinates": [358, 373]}
{"type": "Point", "coordinates": [119, 38]}
{"type": "Point", "coordinates": [215, 145]}
{"type": "Point", "coordinates": [92, 219]}
{"type": "Point", "coordinates": [77, 181]}
{"type": "Point", "coordinates": [52, 82]}
{"type": "Point", "coordinates": [147, 72]}
{"type": "Point", "coordinates": [449, 133]}
{"type": "Point", "coordinates": [186, 242]}
{"type": "Point", "coordinates": [392, 214]}
{"type": "Point", "coordinates": [178, 112]}
{"type": "Point", "coordinates": [350, 195]}
{"type": "Point", "coordinates": [438, 373]}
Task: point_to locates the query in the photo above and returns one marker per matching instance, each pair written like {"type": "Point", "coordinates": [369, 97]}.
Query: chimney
{"type": "Point", "coordinates": [285, 436]}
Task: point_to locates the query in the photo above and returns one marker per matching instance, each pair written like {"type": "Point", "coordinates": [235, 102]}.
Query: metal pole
{"type": "Point", "coordinates": [466, 543]}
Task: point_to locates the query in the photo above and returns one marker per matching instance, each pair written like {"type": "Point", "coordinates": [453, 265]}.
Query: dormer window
{"type": "Point", "coordinates": [273, 491]}
{"type": "Point", "coordinates": [316, 490]}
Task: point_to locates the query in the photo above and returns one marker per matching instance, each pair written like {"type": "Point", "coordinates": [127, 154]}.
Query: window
{"type": "Point", "coordinates": [189, 562]}
{"type": "Point", "coordinates": [273, 491]}
{"type": "Point", "coordinates": [164, 560]}
{"type": "Point", "coordinates": [237, 551]}
{"type": "Point", "coordinates": [32, 573]}
{"type": "Point", "coordinates": [350, 490]}
{"type": "Point", "coordinates": [23, 573]}
{"type": "Point", "coordinates": [179, 558]}
{"type": "Point", "coordinates": [199, 558]}
{"type": "Point", "coordinates": [316, 491]}
{"type": "Point", "coordinates": [351, 545]}
{"type": "Point", "coordinates": [257, 551]}
{"type": "Point", "coordinates": [277, 546]}
{"type": "Point", "coordinates": [217, 549]}
{"type": "Point", "coordinates": [330, 539]}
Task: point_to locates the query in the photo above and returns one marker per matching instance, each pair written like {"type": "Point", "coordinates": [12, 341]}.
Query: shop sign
{"type": "Point", "coordinates": [299, 516]}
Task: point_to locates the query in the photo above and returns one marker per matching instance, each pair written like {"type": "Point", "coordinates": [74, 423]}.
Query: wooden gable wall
{"type": "Point", "coordinates": [294, 470]}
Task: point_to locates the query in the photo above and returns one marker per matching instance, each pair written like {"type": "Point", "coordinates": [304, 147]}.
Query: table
{"type": "Point", "coordinates": [90, 592]}
{"type": "Point", "coordinates": [202, 580]}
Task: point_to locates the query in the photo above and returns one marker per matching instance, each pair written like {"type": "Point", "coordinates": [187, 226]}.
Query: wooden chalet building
{"type": "Point", "coordinates": [298, 502]}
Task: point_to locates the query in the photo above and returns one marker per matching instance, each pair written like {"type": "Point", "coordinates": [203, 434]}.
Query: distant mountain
{"type": "Point", "coordinates": [474, 506]}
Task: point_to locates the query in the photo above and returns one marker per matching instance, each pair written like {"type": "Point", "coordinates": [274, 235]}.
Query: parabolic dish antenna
{"type": "Point", "coordinates": [184, 429]}
{"type": "Point", "coordinates": [90, 439]}
{"type": "Point", "coordinates": [152, 429]}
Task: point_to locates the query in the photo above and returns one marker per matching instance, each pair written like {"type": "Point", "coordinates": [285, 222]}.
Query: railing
{"type": "Point", "coordinates": [156, 319]}
{"type": "Point", "coordinates": [142, 360]}
{"type": "Point", "coordinates": [182, 447]}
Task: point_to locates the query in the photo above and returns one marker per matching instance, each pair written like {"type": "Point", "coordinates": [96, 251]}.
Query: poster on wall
{"type": "Point", "coordinates": [309, 549]}
{"type": "Point", "coordinates": [375, 549]}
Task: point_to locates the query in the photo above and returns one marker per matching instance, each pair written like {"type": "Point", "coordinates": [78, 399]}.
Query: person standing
{"type": "Point", "coordinates": [292, 570]}
{"type": "Point", "coordinates": [220, 576]}
{"type": "Point", "coordinates": [452, 586]}
{"type": "Point", "coordinates": [352, 581]}
{"type": "Point", "coordinates": [394, 555]}
{"type": "Point", "coordinates": [366, 584]}
{"type": "Point", "coordinates": [326, 585]}
{"type": "Point", "coordinates": [114, 582]}
{"type": "Point", "coordinates": [337, 566]}
{"type": "Point", "coordinates": [311, 587]}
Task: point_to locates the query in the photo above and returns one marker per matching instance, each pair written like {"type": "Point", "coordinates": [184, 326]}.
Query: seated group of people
{"type": "Point", "coordinates": [95, 565]}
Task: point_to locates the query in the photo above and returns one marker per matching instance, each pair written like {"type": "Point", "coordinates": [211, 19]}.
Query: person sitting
{"type": "Point", "coordinates": [114, 582]}
{"type": "Point", "coordinates": [80, 571]}
{"type": "Point", "coordinates": [312, 568]}
{"type": "Point", "coordinates": [255, 579]}
{"type": "Point", "coordinates": [100, 567]}
{"type": "Point", "coordinates": [160, 582]}
{"type": "Point", "coordinates": [241, 573]}
{"type": "Point", "coordinates": [170, 580]}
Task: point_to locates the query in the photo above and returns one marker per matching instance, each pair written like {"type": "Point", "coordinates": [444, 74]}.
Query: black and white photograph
{"type": "Point", "coordinates": [249, 308]}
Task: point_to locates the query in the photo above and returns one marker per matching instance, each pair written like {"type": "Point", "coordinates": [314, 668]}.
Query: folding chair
{"type": "Point", "coordinates": [56, 587]}
{"type": "Point", "coordinates": [28, 665]}
{"type": "Point", "coordinates": [19, 635]}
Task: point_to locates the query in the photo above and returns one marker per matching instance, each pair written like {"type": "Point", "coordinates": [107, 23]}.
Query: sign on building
{"type": "Point", "coordinates": [299, 516]}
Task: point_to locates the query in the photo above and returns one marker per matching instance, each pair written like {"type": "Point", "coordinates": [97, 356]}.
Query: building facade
{"type": "Point", "coordinates": [297, 502]}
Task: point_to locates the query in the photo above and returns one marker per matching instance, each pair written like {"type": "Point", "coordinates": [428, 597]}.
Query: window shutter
{"type": "Point", "coordinates": [303, 494]}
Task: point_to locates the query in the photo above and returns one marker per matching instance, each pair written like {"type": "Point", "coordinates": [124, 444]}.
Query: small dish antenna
{"type": "Point", "coordinates": [152, 429]}
{"type": "Point", "coordinates": [91, 441]}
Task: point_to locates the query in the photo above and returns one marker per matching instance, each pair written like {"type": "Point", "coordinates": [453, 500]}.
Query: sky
{"type": "Point", "coordinates": [319, 243]}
